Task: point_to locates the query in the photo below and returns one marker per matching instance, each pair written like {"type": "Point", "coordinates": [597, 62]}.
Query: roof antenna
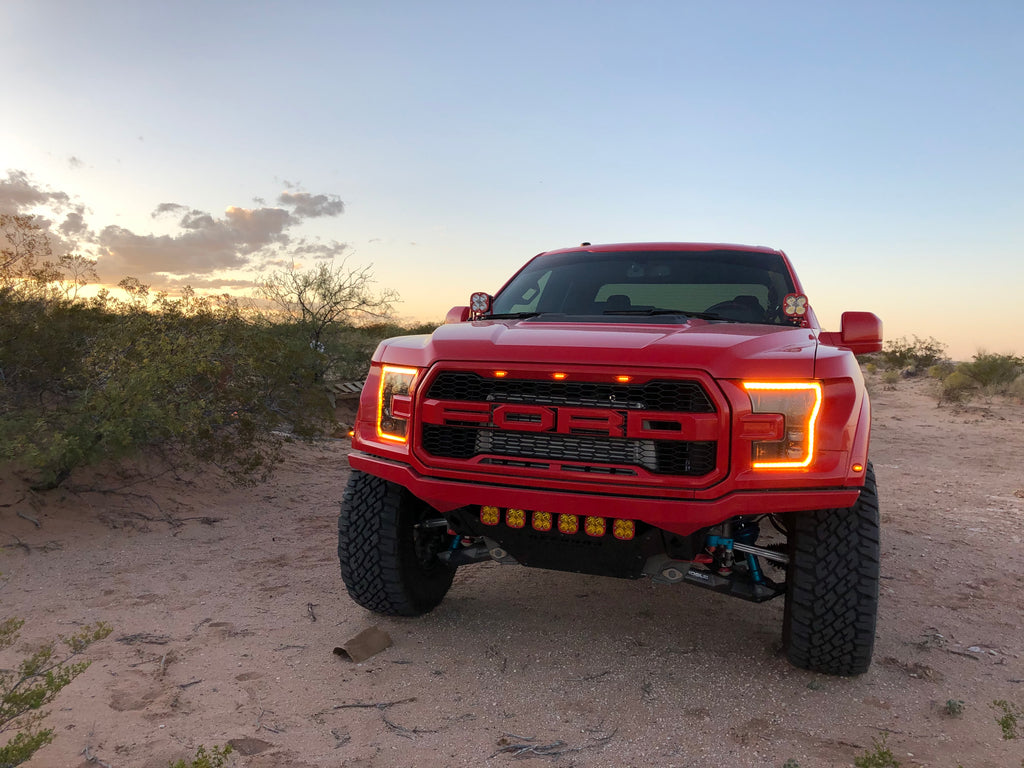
{"type": "Point", "coordinates": [583, 244]}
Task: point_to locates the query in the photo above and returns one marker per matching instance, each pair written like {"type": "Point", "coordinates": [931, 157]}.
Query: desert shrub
{"type": "Point", "coordinates": [957, 387]}
{"type": "Point", "coordinates": [880, 756]}
{"type": "Point", "coordinates": [189, 375]}
{"type": "Point", "coordinates": [941, 370]}
{"type": "Point", "coordinates": [890, 378]}
{"type": "Point", "coordinates": [35, 683]}
{"type": "Point", "coordinates": [195, 379]}
{"type": "Point", "coordinates": [1016, 388]}
{"type": "Point", "coordinates": [1009, 719]}
{"type": "Point", "coordinates": [993, 370]}
{"type": "Point", "coordinates": [349, 346]}
{"type": "Point", "coordinates": [215, 758]}
{"type": "Point", "coordinates": [912, 356]}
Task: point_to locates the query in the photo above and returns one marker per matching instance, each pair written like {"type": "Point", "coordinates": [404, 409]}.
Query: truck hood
{"type": "Point", "coordinates": [724, 350]}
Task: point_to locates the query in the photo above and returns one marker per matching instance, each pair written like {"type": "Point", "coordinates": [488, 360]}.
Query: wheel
{"type": "Point", "coordinates": [832, 586]}
{"type": "Point", "coordinates": [388, 565]}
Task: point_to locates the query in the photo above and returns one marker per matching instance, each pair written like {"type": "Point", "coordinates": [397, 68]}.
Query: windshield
{"type": "Point", "coordinates": [737, 286]}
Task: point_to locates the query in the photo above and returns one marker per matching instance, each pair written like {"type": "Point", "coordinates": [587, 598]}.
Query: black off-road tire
{"type": "Point", "coordinates": [832, 586]}
{"type": "Point", "coordinates": [388, 565]}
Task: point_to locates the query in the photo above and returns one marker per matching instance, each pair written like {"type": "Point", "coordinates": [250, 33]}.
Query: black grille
{"type": "Point", "coordinates": [675, 396]}
{"type": "Point", "coordinates": [665, 457]}
{"type": "Point", "coordinates": [532, 448]}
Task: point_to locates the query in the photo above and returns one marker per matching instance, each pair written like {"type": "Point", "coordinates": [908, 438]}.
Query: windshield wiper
{"type": "Point", "coordinates": [653, 312]}
{"type": "Point", "coordinates": [510, 316]}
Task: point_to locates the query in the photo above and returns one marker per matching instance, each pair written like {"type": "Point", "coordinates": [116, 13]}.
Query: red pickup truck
{"type": "Point", "coordinates": [662, 410]}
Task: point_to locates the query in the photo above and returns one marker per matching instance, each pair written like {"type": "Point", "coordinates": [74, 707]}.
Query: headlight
{"type": "Point", "coordinates": [799, 404]}
{"type": "Point", "coordinates": [394, 403]}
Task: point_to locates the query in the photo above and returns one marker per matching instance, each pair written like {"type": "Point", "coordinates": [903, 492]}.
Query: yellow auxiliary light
{"type": "Point", "coordinates": [490, 515]}
{"type": "Point", "coordinates": [542, 521]}
{"type": "Point", "coordinates": [624, 529]}
{"type": "Point", "coordinates": [594, 526]}
{"type": "Point", "coordinates": [568, 524]}
{"type": "Point", "coordinates": [515, 518]}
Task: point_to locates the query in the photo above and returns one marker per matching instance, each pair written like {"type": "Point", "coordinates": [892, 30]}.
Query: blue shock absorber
{"type": "Point", "coordinates": [755, 569]}
{"type": "Point", "coordinates": [455, 543]}
{"type": "Point", "coordinates": [747, 533]}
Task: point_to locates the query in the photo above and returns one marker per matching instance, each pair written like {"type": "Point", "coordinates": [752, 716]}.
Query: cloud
{"type": "Point", "coordinates": [317, 250]}
{"type": "Point", "coordinates": [18, 193]}
{"type": "Point", "coordinates": [164, 208]}
{"type": "Point", "coordinates": [75, 162]}
{"type": "Point", "coordinates": [74, 225]}
{"type": "Point", "coordinates": [206, 245]}
{"type": "Point", "coordinates": [307, 206]}
{"type": "Point", "coordinates": [199, 247]}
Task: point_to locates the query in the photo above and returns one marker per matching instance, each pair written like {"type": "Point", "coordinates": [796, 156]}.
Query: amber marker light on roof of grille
{"type": "Point", "coordinates": [558, 376]}
{"type": "Point", "coordinates": [490, 515]}
{"type": "Point", "coordinates": [499, 374]}
{"type": "Point", "coordinates": [623, 379]}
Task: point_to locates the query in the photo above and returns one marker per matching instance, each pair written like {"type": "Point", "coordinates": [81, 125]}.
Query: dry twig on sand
{"type": "Point", "coordinates": [524, 746]}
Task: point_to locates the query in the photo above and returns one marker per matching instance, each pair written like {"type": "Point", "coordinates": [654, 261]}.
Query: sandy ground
{"type": "Point", "coordinates": [227, 604]}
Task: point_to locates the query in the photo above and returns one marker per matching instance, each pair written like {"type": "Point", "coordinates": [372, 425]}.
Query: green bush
{"type": "Point", "coordinates": [941, 370]}
{"type": "Point", "coordinates": [993, 370]}
{"type": "Point", "coordinates": [1009, 720]}
{"type": "Point", "coordinates": [213, 759]}
{"type": "Point", "coordinates": [957, 387]}
{"type": "Point", "coordinates": [191, 376]}
{"type": "Point", "coordinates": [1016, 388]}
{"type": "Point", "coordinates": [34, 684]}
{"type": "Point", "coordinates": [913, 356]}
{"type": "Point", "coordinates": [878, 757]}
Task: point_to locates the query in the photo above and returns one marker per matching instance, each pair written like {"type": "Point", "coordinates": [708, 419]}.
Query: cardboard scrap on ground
{"type": "Point", "coordinates": [367, 643]}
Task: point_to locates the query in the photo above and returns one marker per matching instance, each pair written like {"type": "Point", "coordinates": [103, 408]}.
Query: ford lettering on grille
{"type": "Point", "coordinates": [604, 422]}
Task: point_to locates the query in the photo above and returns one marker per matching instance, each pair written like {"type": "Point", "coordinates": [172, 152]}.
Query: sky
{"type": "Point", "coordinates": [879, 144]}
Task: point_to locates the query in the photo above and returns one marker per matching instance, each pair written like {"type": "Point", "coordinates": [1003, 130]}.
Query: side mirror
{"type": "Point", "coordinates": [457, 315]}
{"type": "Point", "coordinates": [860, 332]}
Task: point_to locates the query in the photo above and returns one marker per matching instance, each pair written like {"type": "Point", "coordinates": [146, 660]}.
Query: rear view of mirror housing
{"type": "Point", "coordinates": [860, 332]}
{"type": "Point", "coordinates": [457, 315]}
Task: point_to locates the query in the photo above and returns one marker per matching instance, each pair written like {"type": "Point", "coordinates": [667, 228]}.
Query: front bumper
{"type": "Point", "coordinates": [672, 511]}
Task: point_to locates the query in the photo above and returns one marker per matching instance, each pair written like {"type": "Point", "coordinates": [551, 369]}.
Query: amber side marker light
{"type": "Point", "coordinates": [858, 467]}
{"type": "Point", "coordinates": [800, 404]}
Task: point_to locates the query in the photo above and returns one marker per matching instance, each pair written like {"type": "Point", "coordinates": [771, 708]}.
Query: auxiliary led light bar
{"type": "Point", "coordinates": [544, 522]}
